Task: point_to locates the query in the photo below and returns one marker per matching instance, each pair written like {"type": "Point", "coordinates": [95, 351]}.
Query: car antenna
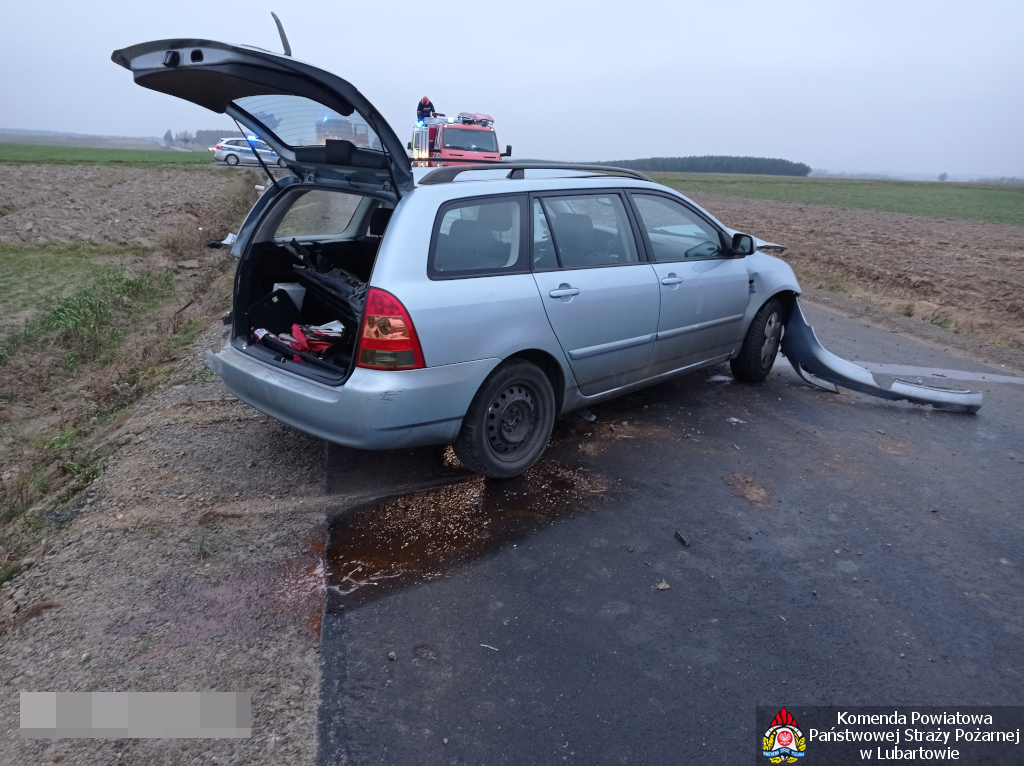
{"type": "Point", "coordinates": [284, 37]}
{"type": "Point", "coordinates": [259, 159]}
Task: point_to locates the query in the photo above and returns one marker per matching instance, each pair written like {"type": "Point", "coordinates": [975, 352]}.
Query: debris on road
{"type": "Point", "coordinates": [734, 421]}
{"type": "Point", "coordinates": [486, 646]}
{"type": "Point", "coordinates": [681, 539]}
{"type": "Point", "coordinates": [661, 586]}
{"type": "Point", "coordinates": [782, 618]}
{"type": "Point", "coordinates": [392, 656]}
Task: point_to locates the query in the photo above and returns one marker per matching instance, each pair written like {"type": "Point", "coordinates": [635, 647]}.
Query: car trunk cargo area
{"type": "Point", "coordinates": [299, 302]}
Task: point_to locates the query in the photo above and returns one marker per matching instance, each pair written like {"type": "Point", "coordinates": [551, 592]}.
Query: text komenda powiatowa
{"type": "Point", "coordinates": [925, 736]}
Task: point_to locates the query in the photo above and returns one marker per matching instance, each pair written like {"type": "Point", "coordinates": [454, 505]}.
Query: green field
{"type": "Point", "coordinates": [992, 203]}
{"type": "Point", "coordinates": [75, 155]}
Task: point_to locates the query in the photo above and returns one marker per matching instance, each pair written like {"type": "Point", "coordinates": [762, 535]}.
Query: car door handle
{"type": "Point", "coordinates": [564, 291]}
{"type": "Point", "coordinates": [671, 279]}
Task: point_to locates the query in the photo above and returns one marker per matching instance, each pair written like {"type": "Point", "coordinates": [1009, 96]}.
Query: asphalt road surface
{"type": "Point", "coordinates": [843, 550]}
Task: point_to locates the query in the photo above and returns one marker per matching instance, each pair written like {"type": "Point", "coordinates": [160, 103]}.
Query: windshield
{"type": "Point", "coordinates": [299, 121]}
{"type": "Point", "coordinates": [465, 139]}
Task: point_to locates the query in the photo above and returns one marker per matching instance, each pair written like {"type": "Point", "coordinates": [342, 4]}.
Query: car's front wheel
{"type": "Point", "coordinates": [509, 421]}
{"type": "Point", "coordinates": [761, 346]}
{"type": "Point", "coordinates": [231, 159]}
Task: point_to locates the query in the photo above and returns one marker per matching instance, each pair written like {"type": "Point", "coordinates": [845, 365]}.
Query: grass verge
{"type": "Point", "coordinates": [992, 203]}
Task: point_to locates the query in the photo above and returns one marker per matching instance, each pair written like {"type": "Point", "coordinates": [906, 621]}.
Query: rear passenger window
{"type": "Point", "coordinates": [587, 230]}
{"type": "Point", "coordinates": [479, 237]}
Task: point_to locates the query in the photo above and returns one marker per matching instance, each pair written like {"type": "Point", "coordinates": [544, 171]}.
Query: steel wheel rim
{"type": "Point", "coordinates": [511, 420]}
{"type": "Point", "coordinates": [770, 344]}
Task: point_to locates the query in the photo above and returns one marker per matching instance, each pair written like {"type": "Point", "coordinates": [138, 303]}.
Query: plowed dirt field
{"type": "Point", "coordinates": [964, 276]}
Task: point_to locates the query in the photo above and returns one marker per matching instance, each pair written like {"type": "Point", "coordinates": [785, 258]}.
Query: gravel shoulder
{"type": "Point", "coordinates": [194, 565]}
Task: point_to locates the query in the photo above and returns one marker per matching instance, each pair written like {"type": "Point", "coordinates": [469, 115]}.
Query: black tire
{"type": "Point", "coordinates": [509, 422]}
{"type": "Point", "coordinates": [281, 163]}
{"type": "Point", "coordinates": [761, 346]}
{"type": "Point", "coordinates": [231, 159]}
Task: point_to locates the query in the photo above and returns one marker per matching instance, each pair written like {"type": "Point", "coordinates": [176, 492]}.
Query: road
{"type": "Point", "coordinates": [843, 550]}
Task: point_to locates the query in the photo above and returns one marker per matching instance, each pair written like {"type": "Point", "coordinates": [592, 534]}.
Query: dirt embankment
{"type": "Point", "coordinates": [192, 565]}
{"type": "Point", "coordinates": [62, 203]}
{"type": "Point", "coordinates": [97, 345]}
{"type": "Point", "coordinates": [964, 276]}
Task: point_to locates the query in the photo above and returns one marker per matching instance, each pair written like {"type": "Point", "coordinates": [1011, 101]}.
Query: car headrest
{"type": "Point", "coordinates": [496, 216]}
{"type": "Point", "coordinates": [379, 221]}
{"type": "Point", "coordinates": [573, 231]}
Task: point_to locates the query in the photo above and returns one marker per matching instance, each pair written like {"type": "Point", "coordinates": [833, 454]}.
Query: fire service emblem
{"type": "Point", "coordinates": [783, 742]}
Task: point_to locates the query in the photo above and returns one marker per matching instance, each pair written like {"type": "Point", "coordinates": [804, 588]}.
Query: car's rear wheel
{"type": "Point", "coordinates": [509, 421]}
{"type": "Point", "coordinates": [231, 159]}
{"type": "Point", "coordinates": [761, 346]}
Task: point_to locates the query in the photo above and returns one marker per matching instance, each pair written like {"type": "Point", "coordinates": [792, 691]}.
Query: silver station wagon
{"type": "Point", "coordinates": [380, 306]}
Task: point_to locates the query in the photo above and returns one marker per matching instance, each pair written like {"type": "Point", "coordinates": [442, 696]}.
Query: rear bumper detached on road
{"type": "Point", "coordinates": [373, 410]}
{"type": "Point", "coordinates": [823, 369]}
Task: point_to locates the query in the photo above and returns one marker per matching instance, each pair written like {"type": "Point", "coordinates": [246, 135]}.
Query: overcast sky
{"type": "Point", "coordinates": [897, 86]}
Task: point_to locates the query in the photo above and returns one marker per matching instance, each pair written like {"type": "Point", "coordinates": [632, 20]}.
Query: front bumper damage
{"type": "Point", "coordinates": [825, 370]}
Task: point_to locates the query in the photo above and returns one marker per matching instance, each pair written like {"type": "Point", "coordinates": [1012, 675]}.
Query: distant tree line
{"type": "Point", "coordinates": [201, 139]}
{"type": "Point", "coordinates": [751, 165]}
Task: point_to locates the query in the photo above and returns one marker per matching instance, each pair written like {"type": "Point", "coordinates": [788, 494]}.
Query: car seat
{"type": "Point", "coordinates": [574, 238]}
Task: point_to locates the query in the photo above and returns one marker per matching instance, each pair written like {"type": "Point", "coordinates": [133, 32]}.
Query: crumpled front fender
{"type": "Point", "coordinates": [823, 369]}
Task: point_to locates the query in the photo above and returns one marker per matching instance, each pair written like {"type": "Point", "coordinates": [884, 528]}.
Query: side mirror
{"type": "Point", "coordinates": [507, 152]}
{"type": "Point", "coordinates": [409, 146]}
{"type": "Point", "coordinates": [742, 244]}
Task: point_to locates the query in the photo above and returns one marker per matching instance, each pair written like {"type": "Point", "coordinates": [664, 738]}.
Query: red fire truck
{"type": "Point", "coordinates": [470, 136]}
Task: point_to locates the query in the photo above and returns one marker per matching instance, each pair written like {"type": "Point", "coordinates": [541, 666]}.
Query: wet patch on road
{"type": "Point", "coordinates": [417, 537]}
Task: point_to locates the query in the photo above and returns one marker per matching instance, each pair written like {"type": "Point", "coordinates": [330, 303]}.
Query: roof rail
{"type": "Point", "coordinates": [516, 170]}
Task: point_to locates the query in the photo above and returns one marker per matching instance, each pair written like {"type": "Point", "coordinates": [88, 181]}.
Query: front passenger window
{"type": "Point", "coordinates": [676, 233]}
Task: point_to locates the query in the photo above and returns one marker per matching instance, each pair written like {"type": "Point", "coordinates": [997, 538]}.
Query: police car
{"type": "Point", "coordinates": [235, 151]}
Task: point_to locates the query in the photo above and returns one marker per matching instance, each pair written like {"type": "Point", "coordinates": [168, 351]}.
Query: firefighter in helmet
{"type": "Point", "coordinates": [424, 109]}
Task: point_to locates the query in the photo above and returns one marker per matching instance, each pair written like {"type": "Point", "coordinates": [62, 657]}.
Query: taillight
{"type": "Point", "coordinates": [219, 146]}
{"type": "Point", "coordinates": [387, 340]}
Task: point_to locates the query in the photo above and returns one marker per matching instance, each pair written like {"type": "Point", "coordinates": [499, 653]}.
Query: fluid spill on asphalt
{"type": "Point", "coordinates": [376, 547]}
